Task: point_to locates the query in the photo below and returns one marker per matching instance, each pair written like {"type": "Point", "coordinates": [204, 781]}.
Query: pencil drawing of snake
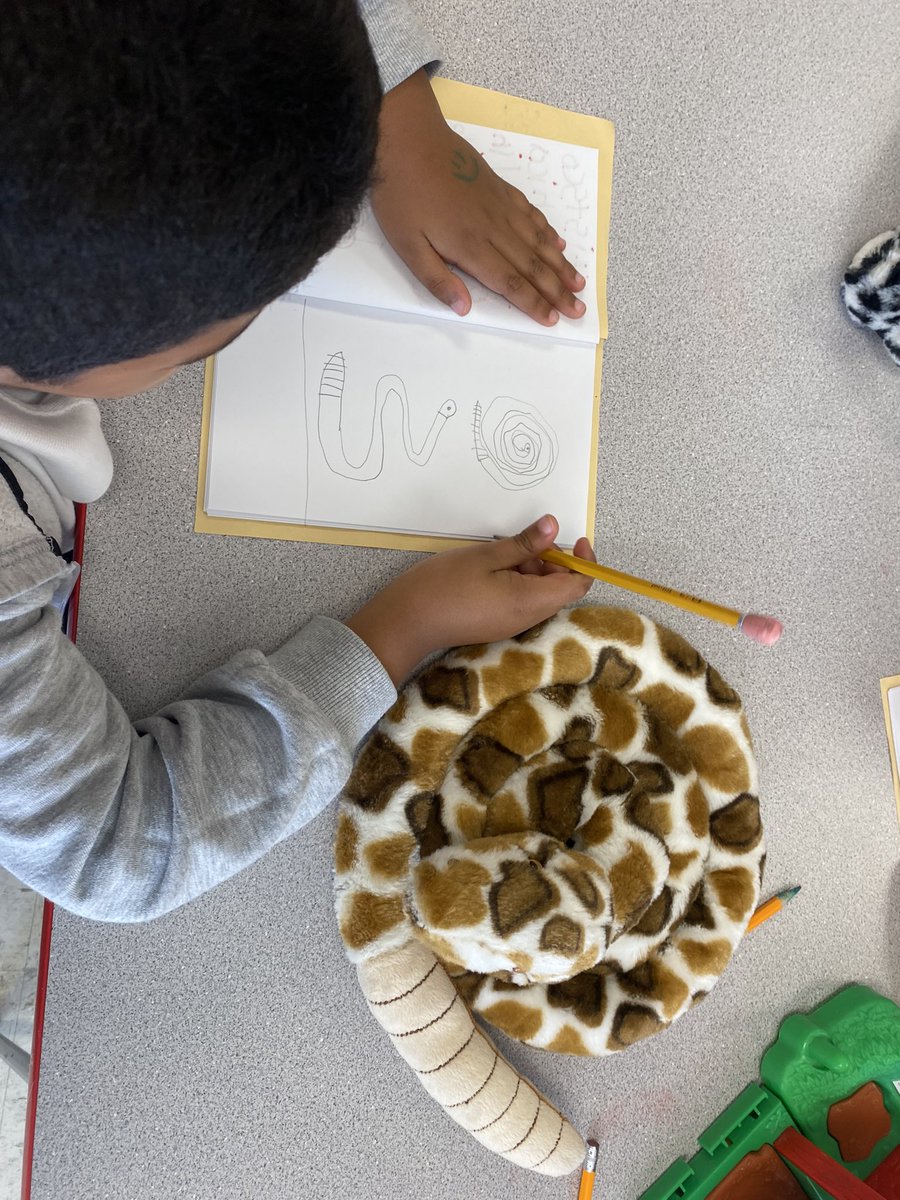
{"type": "Point", "coordinates": [331, 413]}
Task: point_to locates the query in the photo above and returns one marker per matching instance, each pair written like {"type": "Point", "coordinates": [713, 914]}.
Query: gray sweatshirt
{"type": "Point", "coordinates": [120, 821]}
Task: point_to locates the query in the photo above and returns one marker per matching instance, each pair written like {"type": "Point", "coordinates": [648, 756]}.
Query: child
{"type": "Point", "coordinates": [165, 172]}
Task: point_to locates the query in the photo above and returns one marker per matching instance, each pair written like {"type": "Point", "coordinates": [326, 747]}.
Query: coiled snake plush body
{"type": "Point", "coordinates": [559, 833]}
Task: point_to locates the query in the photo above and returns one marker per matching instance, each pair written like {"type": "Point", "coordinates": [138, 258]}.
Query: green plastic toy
{"type": "Point", "coordinates": [750, 1122]}
{"type": "Point", "coordinates": [827, 1056]}
{"type": "Point", "coordinates": [819, 1059]}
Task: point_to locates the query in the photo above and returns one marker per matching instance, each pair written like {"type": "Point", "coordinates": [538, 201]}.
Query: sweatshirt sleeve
{"type": "Point", "coordinates": [122, 822]}
{"type": "Point", "coordinates": [399, 41]}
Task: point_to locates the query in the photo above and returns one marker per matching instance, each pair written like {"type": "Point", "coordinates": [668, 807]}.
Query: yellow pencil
{"type": "Point", "coordinates": [771, 907]}
{"type": "Point", "coordinates": [765, 630]}
{"type": "Point", "coordinates": [586, 1187]}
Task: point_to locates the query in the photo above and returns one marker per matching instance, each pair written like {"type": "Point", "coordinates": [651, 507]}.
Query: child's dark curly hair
{"type": "Point", "coordinates": [165, 165]}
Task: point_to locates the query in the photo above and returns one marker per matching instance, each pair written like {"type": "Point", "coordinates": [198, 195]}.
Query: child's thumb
{"type": "Point", "coordinates": [513, 551]}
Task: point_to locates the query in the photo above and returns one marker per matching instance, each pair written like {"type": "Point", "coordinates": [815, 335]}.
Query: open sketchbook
{"type": "Point", "coordinates": [358, 409]}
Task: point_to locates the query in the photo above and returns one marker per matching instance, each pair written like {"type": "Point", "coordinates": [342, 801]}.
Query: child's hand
{"type": "Point", "coordinates": [480, 594]}
{"type": "Point", "coordinates": [438, 201]}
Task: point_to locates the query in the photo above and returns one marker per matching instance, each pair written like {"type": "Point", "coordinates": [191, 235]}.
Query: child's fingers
{"type": "Point", "coordinates": [584, 549]}
{"type": "Point", "coordinates": [518, 198]}
{"type": "Point", "coordinates": [543, 597]}
{"type": "Point", "coordinates": [431, 270]}
{"type": "Point", "coordinates": [581, 549]}
{"type": "Point", "coordinates": [581, 583]}
{"type": "Point", "coordinates": [538, 267]}
{"type": "Point", "coordinates": [497, 271]}
{"type": "Point", "coordinates": [537, 566]}
{"type": "Point", "coordinates": [522, 550]}
{"type": "Point", "coordinates": [536, 231]}
{"type": "Point", "coordinates": [529, 224]}
{"type": "Point", "coordinates": [534, 566]}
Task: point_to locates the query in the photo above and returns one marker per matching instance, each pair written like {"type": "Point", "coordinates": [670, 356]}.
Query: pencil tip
{"type": "Point", "coordinates": [789, 894]}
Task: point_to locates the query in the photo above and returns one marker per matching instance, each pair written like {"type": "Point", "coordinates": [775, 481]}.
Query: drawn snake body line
{"type": "Point", "coordinates": [514, 443]}
{"type": "Point", "coordinates": [331, 413]}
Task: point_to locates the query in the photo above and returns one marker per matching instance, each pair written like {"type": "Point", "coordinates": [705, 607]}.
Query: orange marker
{"type": "Point", "coordinates": [771, 907]}
{"type": "Point", "coordinates": [586, 1187]}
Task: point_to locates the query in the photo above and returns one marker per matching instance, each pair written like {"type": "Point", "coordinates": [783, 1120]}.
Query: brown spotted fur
{"type": "Point", "coordinates": [568, 820]}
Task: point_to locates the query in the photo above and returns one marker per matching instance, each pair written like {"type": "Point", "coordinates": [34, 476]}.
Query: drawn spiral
{"type": "Point", "coordinates": [514, 443]}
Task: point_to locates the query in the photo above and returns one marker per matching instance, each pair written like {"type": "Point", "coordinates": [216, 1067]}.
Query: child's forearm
{"type": "Point", "coordinates": [123, 822]}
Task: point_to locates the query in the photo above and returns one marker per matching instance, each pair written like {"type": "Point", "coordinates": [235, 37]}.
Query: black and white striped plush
{"type": "Point", "coordinates": [871, 289]}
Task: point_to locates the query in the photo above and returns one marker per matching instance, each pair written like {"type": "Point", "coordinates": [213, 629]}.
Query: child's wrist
{"type": "Point", "coordinates": [396, 641]}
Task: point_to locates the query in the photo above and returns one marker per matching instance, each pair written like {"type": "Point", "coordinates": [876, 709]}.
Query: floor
{"type": "Point", "coordinates": [749, 442]}
{"type": "Point", "coordinates": [20, 939]}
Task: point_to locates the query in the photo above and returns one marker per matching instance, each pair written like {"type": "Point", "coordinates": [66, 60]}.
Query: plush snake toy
{"type": "Point", "coordinates": [560, 833]}
{"type": "Point", "coordinates": [871, 289]}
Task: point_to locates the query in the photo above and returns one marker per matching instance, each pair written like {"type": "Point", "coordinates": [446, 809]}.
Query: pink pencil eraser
{"type": "Point", "coordinates": [765, 630]}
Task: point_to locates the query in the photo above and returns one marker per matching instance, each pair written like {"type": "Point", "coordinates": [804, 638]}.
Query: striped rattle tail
{"type": "Point", "coordinates": [413, 998]}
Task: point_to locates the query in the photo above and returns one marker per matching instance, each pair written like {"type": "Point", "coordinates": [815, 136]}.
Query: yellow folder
{"type": "Point", "coordinates": [480, 106]}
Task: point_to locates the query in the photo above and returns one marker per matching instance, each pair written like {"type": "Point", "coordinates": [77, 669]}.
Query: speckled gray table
{"type": "Point", "coordinates": [749, 449]}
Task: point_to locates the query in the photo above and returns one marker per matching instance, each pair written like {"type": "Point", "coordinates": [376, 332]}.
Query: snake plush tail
{"type": "Point", "coordinates": [412, 997]}
{"type": "Point", "coordinates": [559, 835]}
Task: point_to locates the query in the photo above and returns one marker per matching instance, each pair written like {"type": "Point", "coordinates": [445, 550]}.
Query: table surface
{"type": "Point", "coordinates": [748, 450]}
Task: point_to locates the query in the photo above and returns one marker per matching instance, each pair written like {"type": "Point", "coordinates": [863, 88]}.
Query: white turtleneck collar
{"type": "Point", "coordinates": [59, 442]}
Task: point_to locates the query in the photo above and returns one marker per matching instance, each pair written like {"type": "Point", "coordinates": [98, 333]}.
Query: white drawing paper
{"type": "Point", "coordinates": [560, 179]}
{"type": "Point", "coordinates": [332, 415]}
{"type": "Point", "coordinates": [894, 710]}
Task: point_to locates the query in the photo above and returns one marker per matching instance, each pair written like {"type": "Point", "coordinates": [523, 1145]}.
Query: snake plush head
{"type": "Point", "coordinates": [475, 905]}
{"type": "Point", "coordinates": [559, 833]}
